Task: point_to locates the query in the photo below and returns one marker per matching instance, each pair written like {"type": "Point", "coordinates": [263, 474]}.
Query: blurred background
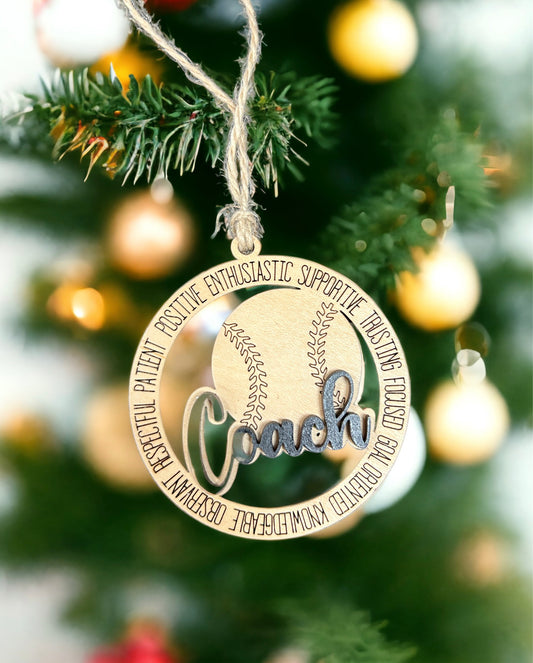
{"type": "Point", "coordinates": [414, 102]}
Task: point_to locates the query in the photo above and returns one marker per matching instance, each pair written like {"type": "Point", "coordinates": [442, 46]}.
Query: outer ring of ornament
{"type": "Point", "coordinates": [272, 523]}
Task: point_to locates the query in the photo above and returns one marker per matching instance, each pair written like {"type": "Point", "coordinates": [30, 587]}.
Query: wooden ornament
{"type": "Point", "coordinates": [271, 359]}
{"type": "Point", "coordinates": [288, 375]}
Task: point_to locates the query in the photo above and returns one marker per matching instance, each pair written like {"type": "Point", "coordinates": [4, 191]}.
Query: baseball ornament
{"type": "Point", "coordinates": [257, 378]}
{"type": "Point", "coordinates": [288, 378]}
{"type": "Point", "coordinates": [288, 371]}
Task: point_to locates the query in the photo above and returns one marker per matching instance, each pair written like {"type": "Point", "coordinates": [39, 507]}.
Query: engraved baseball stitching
{"type": "Point", "coordinates": [318, 367]}
{"type": "Point", "coordinates": [256, 375]}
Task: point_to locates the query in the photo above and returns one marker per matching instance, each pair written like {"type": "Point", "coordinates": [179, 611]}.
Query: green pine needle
{"type": "Point", "coordinates": [150, 129]}
{"type": "Point", "coordinates": [372, 239]}
{"type": "Point", "coordinates": [339, 634]}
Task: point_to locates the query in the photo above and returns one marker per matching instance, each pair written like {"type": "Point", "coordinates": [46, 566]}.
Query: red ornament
{"type": "Point", "coordinates": [38, 5]}
{"type": "Point", "coordinates": [146, 647]}
{"type": "Point", "coordinates": [145, 643]}
{"type": "Point", "coordinates": [108, 655]}
{"type": "Point", "coordinates": [169, 5]}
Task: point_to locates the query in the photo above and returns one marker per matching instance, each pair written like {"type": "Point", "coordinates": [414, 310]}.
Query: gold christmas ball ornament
{"type": "Point", "coordinates": [374, 40]}
{"type": "Point", "coordinates": [348, 454]}
{"type": "Point", "coordinates": [465, 423]}
{"type": "Point", "coordinates": [443, 293]}
{"type": "Point", "coordinates": [107, 439]}
{"type": "Point", "coordinates": [129, 60]}
{"type": "Point", "coordinates": [340, 527]}
{"type": "Point", "coordinates": [349, 461]}
{"type": "Point", "coordinates": [88, 308]}
{"type": "Point", "coordinates": [148, 239]}
{"type": "Point", "coordinates": [27, 431]}
{"type": "Point", "coordinates": [59, 303]}
{"type": "Point", "coordinates": [289, 655]}
{"type": "Point", "coordinates": [72, 302]}
{"type": "Point", "coordinates": [109, 306]}
{"type": "Point", "coordinates": [121, 312]}
{"type": "Point", "coordinates": [480, 560]}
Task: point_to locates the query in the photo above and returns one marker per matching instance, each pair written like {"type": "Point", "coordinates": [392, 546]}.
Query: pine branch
{"type": "Point", "coordinates": [405, 208]}
{"type": "Point", "coordinates": [341, 634]}
{"type": "Point", "coordinates": [150, 130]}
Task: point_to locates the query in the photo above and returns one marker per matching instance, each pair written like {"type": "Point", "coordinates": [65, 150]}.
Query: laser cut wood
{"type": "Point", "coordinates": [271, 362]}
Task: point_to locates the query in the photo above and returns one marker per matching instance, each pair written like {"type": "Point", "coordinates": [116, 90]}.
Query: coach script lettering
{"type": "Point", "coordinates": [245, 445]}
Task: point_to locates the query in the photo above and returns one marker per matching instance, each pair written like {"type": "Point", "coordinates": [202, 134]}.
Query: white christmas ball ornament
{"type": "Point", "coordinates": [406, 469]}
{"type": "Point", "coordinates": [76, 32]}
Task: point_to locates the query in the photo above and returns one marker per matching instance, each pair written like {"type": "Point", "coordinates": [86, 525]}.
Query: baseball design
{"type": "Point", "coordinates": [274, 352]}
{"type": "Point", "coordinates": [288, 376]}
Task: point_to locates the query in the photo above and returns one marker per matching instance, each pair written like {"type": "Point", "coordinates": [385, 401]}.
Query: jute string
{"type": "Point", "coordinates": [239, 218]}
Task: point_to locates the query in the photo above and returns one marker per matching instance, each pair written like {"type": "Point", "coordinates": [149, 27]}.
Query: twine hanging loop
{"type": "Point", "coordinates": [239, 218]}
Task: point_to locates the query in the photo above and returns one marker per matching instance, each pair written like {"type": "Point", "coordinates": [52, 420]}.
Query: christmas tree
{"type": "Point", "coordinates": [380, 150]}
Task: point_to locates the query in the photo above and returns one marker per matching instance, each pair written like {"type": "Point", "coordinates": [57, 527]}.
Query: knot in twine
{"type": "Point", "coordinates": [243, 224]}
{"type": "Point", "coordinates": [239, 218]}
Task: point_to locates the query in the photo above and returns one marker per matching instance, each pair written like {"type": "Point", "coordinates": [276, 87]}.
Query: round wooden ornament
{"type": "Point", "coordinates": [287, 364]}
{"type": "Point", "coordinates": [288, 373]}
